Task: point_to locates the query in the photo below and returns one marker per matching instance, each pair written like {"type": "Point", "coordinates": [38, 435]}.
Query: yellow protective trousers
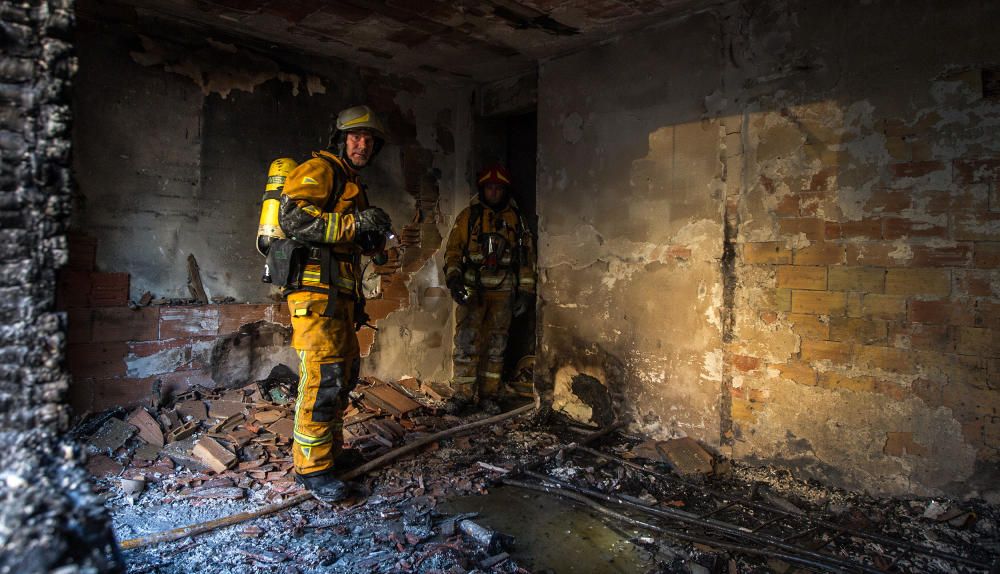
{"type": "Point", "coordinates": [481, 327]}
{"type": "Point", "coordinates": [329, 365]}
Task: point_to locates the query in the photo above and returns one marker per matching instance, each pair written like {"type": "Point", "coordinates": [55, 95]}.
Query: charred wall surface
{"type": "Point", "coordinates": [49, 516]}
{"type": "Point", "coordinates": [175, 130]}
{"type": "Point", "coordinates": [782, 219]}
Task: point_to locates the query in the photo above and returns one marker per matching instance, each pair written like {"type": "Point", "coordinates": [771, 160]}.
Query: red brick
{"type": "Point", "coordinates": [379, 309]}
{"type": "Point", "coordinates": [869, 228]}
{"type": "Point", "coordinates": [125, 324]}
{"type": "Point", "coordinates": [958, 256]}
{"type": "Point", "coordinates": [820, 253]}
{"type": "Point", "coordinates": [921, 281]}
{"type": "Point", "coordinates": [72, 289]}
{"type": "Point", "coordinates": [366, 338]}
{"type": "Point", "coordinates": [972, 171]}
{"type": "Point", "coordinates": [916, 168]}
{"type": "Point", "coordinates": [185, 322]}
{"type": "Point", "coordinates": [824, 179]}
{"type": "Point", "coordinates": [801, 277]}
{"type": "Point", "coordinates": [834, 351]}
{"type": "Point", "coordinates": [82, 252]}
{"type": "Point", "coordinates": [796, 371]}
{"type": "Point", "coordinates": [810, 203]}
{"type": "Point", "coordinates": [232, 317]}
{"type": "Point", "coordinates": [898, 227]}
{"type": "Point", "coordinates": [745, 363]}
{"type": "Point", "coordinates": [877, 254]}
{"type": "Point", "coordinates": [884, 358]}
{"type": "Point", "coordinates": [79, 324]}
{"type": "Point", "coordinates": [969, 199]}
{"type": "Point", "coordinates": [95, 395]}
{"type": "Point", "coordinates": [838, 381]}
{"type": "Point", "coordinates": [768, 252]}
{"type": "Point", "coordinates": [394, 287]}
{"type": "Point", "coordinates": [866, 279]}
{"type": "Point", "coordinates": [788, 206]}
{"type": "Point", "coordinates": [96, 360]}
{"type": "Point", "coordinates": [977, 342]}
{"type": "Point", "coordinates": [109, 289]}
{"type": "Point", "coordinates": [811, 227]}
{"type": "Point", "coordinates": [920, 336]}
{"type": "Point", "coordinates": [976, 227]}
{"type": "Point", "coordinates": [888, 201]}
{"type": "Point", "coordinates": [673, 251]}
{"type": "Point", "coordinates": [883, 306]}
{"type": "Point", "coordinates": [969, 283]}
{"type": "Point", "coordinates": [987, 314]}
{"type": "Point", "coordinates": [768, 317]}
{"type": "Point", "coordinates": [819, 302]}
{"type": "Point", "coordinates": [940, 312]}
{"type": "Point", "coordinates": [864, 331]}
{"type": "Point", "coordinates": [280, 314]}
{"type": "Point", "coordinates": [987, 255]}
{"type": "Point", "coordinates": [809, 326]}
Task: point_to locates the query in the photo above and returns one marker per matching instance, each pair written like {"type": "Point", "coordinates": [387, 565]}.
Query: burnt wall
{"type": "Point", "coordinates": [176, 128]}
{"type": "Point", "coordinates": [48, 515]}
{"type": "Point", "coordinates": [782, 219]}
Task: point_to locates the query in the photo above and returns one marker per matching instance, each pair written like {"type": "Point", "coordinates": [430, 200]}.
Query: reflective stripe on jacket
{"type": "Point", "coordinates": [324, 194]}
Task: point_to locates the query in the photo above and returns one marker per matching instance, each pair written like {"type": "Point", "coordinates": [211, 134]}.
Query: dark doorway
{"type": "Point", "coordinates": [513, 140]}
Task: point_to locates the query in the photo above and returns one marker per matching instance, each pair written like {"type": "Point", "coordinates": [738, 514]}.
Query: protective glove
{"type": "Point", "coordinates": [457, 287]}
{"type": "Point", "coordinates": [372, 220]}
{"type": "Point", "coordinates": [521, 304]}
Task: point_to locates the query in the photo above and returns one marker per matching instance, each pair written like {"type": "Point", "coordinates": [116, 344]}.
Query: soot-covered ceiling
{"type": "Point", "coordinates": [472, 40]}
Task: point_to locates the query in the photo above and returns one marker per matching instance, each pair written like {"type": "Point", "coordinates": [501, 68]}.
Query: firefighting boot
{"type": "Point", "coordinates": [324, 487]}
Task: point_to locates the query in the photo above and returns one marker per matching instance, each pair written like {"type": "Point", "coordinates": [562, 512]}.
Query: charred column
{"type": "Point", "coordinates": [49, 517]}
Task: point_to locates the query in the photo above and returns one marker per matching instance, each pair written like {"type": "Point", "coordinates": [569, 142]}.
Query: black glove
{"type": "Point", "coordinates": [457, 288]}
{"type": "Point", "coordinates": [521, 304]}
{"type": "Point", "coordinates": [374, 220]}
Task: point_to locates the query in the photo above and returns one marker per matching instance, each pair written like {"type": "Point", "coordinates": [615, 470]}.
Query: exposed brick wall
{"type": "Point", "coordinates": [50, 518]}
{"type": "Point", "coordinates": [885, 273]}
{"type": "Point", "coordinates": [115, 354]}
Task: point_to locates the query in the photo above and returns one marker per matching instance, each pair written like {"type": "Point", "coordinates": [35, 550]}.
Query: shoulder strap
{"type": "Point", "coordinates": [475, 214]}
{"type": "Point", "coordinates": [340, 173]}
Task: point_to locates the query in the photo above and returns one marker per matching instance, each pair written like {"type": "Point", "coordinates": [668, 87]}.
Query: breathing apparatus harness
{"type": "Point", "coordinates": [491, 260]}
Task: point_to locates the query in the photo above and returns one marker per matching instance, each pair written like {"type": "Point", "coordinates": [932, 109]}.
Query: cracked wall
{"type": "Point", "coordinates": [797, 260]}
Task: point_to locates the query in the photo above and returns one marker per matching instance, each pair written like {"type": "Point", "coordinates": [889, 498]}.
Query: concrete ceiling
{"type": "Point", "coordinates": [467, 40]}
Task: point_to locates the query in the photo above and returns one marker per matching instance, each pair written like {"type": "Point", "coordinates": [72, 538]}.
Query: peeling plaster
{"type": "Point", "coordinates": [221, 68]}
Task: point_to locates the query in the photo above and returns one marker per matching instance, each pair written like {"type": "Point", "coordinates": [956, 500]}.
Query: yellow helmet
{"type": "Point", "coordinates": [360, 118]}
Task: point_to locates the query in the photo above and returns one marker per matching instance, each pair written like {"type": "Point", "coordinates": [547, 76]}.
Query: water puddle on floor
{"type": "Point", "coordinates": [551, 533]}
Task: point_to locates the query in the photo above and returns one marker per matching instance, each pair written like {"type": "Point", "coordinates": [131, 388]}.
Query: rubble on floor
{"type": "Point", "coordinates": [403, 519]}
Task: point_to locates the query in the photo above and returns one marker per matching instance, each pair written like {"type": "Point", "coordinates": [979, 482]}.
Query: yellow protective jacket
{"type": "Point", "coordinates": [319, 203]}
{"type": "Point", "coordinates": [465, 254]}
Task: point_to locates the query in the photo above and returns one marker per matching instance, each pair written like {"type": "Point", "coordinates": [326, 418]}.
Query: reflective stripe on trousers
{"type": "Point", "coordinates": [481, 331]}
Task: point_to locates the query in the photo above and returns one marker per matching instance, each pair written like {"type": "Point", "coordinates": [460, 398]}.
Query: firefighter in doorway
{"type": "Point", "coordinates": [329, 225]}
{"type": "Point", "coordinates": [490, 271]}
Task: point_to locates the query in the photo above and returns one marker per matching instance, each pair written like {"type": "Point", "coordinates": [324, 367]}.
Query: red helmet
{"type": "Point", "coordinates": [495, 173]}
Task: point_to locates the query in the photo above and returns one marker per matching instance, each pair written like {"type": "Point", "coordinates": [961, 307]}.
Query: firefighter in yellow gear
{"type": "Point", "coordinates": [490, 271]}
{"type": "Point", "coordinates": [325, 213]}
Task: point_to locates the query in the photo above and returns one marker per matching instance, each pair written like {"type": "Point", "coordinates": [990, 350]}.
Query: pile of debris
{"type": "Point", "coordinates": [239, 440]}
{"type": "Point", "coordinates": [672, 502]}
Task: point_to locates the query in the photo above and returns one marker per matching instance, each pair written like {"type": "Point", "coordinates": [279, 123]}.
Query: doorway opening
{"type": "Point", "coordinates": [512, 139]}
